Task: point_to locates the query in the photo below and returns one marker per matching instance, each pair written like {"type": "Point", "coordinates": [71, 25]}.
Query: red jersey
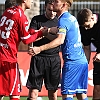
{"type": "Point", "coordinates": [13, 29]}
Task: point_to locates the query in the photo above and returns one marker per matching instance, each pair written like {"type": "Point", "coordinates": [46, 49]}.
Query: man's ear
{"type": "Point", "coordinates": [92, 17]}
{"type": "Point", "coordinates": [65, 4]}
{"type": "Point", "coordinates": [68, 4]}
{"type": "Point", "coordinates": [24, 1]}
{"type": "Point", "coordinates": [45, 7]}
{"type": "Point", "coordinates": [62, 5]}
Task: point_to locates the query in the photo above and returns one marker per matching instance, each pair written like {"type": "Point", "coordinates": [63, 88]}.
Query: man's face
{"type": "Point", "coordinates": [49, 11]}
{"type": "Point", "coordinates": [89, 24]}
{"type": "Point", "coordinates": [57, 5]}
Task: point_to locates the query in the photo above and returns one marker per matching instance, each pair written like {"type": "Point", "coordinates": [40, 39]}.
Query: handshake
{"type": "Point", "coordinates": [46, 30]}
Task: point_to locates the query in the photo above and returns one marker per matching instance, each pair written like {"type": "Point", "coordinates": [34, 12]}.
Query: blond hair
{"type": "Point", "coordinates": [68, 1]}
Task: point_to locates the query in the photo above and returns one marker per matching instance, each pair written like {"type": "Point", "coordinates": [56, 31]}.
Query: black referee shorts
{"type": "Point", "coordinates": [96, 73]}
{"type": "Point", "coordinates": [45, 68]}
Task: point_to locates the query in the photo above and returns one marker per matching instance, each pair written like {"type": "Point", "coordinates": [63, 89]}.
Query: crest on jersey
{"type": "Point", "coordinates": [26, 28]}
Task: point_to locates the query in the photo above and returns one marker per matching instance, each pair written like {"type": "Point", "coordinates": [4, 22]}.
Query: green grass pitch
{"type": "Point", "coordinates": [43, 98]}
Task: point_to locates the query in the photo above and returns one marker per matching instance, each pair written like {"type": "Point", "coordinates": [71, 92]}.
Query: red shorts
{"type": "Point", "coordinates": [9, 79]}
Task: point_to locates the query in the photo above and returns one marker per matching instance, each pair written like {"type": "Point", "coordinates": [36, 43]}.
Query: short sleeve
{"type": "Point", "coordinates": [33, 23]}
{"type": "Point", "coordinates": [63, 26]}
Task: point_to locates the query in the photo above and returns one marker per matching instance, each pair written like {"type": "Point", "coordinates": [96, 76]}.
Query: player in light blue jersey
{"type": "Point", "coordinates": [72, 47]}
{"type": "Point", "coordinates": [75, 68]}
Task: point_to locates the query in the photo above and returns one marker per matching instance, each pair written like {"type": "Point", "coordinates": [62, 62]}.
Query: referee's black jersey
{"type": "Point", "coordinates": [36, 23]}
{"type": "Point", "coordinates": [91, 35]}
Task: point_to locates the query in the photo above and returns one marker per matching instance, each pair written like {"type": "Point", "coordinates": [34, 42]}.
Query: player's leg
{"type": "Point", "coordinates": [52, 75]}
{"type": "Point", "coordinates": [67, 97]}
{"type": "Point", "coordinates": [3, 80]}
{"type": "Point", "coordinates": [96, 92]}
{"type": "Point", "coordinates": [83, 82]}
{"type": "Point", "coordinates": [52, 94]}
{"type": "Point", "coordinates": [33, 94]}
{"type": "Point", "coordinates": [65, 83]}
{"type": "Point", "coordinates": [96, 81]}
{"type": "Point", "coordinates": [15, 83]}
{"type": "Point", "coordinates": [35, 78]}
{"type": "Point", "coordinates": [1, 97]}
{"type": "Point", "coordinates": [81, 96]}
{"type": "Point", "coordinates": [72, 81]}
{"type": "Point", "coordinates": [9, 79]}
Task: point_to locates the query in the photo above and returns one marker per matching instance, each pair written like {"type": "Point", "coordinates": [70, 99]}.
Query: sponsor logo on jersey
{"type": "Point", "coordinates": [26, 22]}
{"type": "Point", "coordinates": [26, 28]}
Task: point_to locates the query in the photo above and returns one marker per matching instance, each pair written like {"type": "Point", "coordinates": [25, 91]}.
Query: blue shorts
{"type": "Point", "coordinates": [74, 78]}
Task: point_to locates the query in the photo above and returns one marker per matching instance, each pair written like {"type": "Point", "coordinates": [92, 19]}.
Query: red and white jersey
{"type": "Point", "coordinates": [13, 29]}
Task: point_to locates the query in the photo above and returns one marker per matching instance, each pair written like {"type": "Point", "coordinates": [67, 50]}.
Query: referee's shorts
{"type": "Point", "coordinates": [96, 73]}
{"type": "Point", "coordinates": [45, 68]}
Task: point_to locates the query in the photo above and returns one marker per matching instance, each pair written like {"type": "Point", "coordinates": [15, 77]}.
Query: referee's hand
{"type": "Point", "coordinates": [53, 30]}
{"type": "Point", "coordinates": [44, 30]}
{"type": "Point", "coordinates": [96, 58]}
{"type": "Point", "coordinates": [34, 51]}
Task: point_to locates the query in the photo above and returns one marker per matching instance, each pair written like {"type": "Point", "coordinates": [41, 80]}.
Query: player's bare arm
{"type": "Point", "coordinates": [87, 50]}
{"type": "Point", "coordinates": [56, 42]}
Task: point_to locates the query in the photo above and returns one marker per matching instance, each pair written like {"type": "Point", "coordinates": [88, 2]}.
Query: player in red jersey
{"type": "Point", "coordinates": [13, 29]}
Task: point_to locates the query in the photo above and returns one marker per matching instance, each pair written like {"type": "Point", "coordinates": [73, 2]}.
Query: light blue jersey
{"type": "Point", "coordinates": [72, 46]}
{"type": "Point", "coordinates": [75, 68]}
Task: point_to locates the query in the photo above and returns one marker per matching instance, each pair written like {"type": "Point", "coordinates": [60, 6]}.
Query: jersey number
{"type": "Point", "coordinates": [9, 24]}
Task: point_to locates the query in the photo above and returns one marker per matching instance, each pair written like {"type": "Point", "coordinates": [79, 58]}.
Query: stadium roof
{"type": "Point", "coordinates": [2, 1]}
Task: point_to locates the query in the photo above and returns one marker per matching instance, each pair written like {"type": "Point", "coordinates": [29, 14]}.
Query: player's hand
{"type": "Point", "coordinates": [44, 30]}
{"type": "Point", "coordinates": [53, 30]}
{"type": "Point", "coordinates": [30, 50]}
{"type": "Point", "coordinates": [34, 51]}
{"type": "Point", "coordinates": [96, 58]}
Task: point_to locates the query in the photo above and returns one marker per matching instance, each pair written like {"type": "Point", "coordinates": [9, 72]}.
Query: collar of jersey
{"type": "Point", "coordinates": [62, 14]}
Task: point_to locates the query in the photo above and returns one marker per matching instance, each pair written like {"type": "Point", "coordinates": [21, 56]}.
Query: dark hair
{"type": "Point", "coordinates": [9, 3]}
{"type": "Point", "coordinates": [48, 2]}
{"type": "Point", "coordinates": [19, 1]}
{"type": "Point", "coordinates": [83, 15]}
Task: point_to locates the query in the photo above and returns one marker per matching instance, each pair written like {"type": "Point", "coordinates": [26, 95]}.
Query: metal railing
{"type": "Point", "coordinates": [94, 6]}
{"type": "Point", "coordinates": [1, 9]}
